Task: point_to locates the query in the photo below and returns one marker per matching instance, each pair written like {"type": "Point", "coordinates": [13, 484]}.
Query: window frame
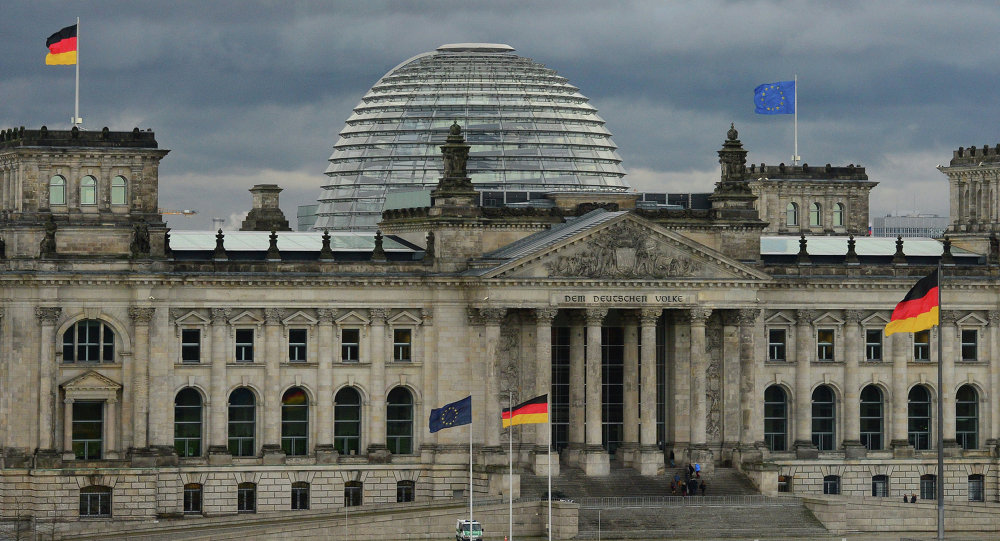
{"type": "Point", "coordinates": [61, 185]}
{"type": "Point", "coordinates": [775, 348]}
{"type": "Point", "coordinates": [105, 344]}
{"type": "Point", "coordinates": [189, 347]}
{"type": "Point", "coordinates": [241, 441]}
{"type": "Point", "coordinates": [867, 436]}
{"type": "Point", "coordinates": [246, 498]}
{"type": "Point", "coordinates": [86, 451]}
{"type": "Point", "coordinates": [815, 214]}
{"type": "Point", "coordinates": [919, 439]}
{"type": "Point", "coordinates": [824, 439]}
{"type": "Point", "coordinates": [400, 436]}
{"type": "Point", "coordinates": [837, 213]}
{"type": "Point", "coordinates": [295, 431]}
{"type": "Point", "coordinates": [343, 442]}
{"type": "Point", "coordinates": [104, 496]}
{"type": "Point", "coordinates": [880, 486]}
{"type": "Point", "coordinates": [874, 349]}
{"type": "Point", "coordinates": [193, 499]}
{"type": "Point", "coordinates": [119, 191]}
{"type": "Point", "coordinates": [244, 350]}
{"type": "Point", "coordinates": [773, 437]}
{"type": "Point", "coordinates": [300, 496]}
{"type": "Point", "coordinates": [922, 348]}
{"type": "Point", "coordinates": [406, 491]}
{"type": "Point", "coordinates": [826, 350]}
{"type": "Point", "coordinates": [831, 484]}
{"type": "Point", "coordinates": [791, 214]}
{"type": "Point", "coordinates": [200, 424]}
{"type": "Point", "coordinates": [969, 348]}
{"type": "Point", "coordinates": [88, 191]}
{"type": "Point", "coordinates": [298, 348]}
{"type": "Point", "coordinates": [968, 438]}
{"type": "Point", "coordinates": [350, 352]}
{"type": "Point", "coordinates": [977, 487]}
{"type": "Point", "coordinates": [354, 493]}
{"type": "Point", "coordinates": [402, 350]}
{"type": "Point", "coordinates": [928, 486]}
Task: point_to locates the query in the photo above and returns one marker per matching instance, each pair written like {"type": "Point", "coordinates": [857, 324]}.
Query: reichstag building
{"type": "Point", "coordinates": [148, 373]}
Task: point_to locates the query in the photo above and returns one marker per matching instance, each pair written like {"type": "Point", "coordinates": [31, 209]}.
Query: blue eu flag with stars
{"type": "Point", "coordinates": [775, 98]}
{"type": "Point", "coordinates": [454, 414]}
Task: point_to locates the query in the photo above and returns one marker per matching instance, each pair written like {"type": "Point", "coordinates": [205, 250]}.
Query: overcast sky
{"type": "Point", "coordinates": [255, 92]}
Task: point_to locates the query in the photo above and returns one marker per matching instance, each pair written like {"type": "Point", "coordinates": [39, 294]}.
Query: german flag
{"type": "Point", "coordinates": [532, 411]}
{"type": "Point", "coordinates": [918, 310]}
{"type": "Point", "coordinates": [62, 47]}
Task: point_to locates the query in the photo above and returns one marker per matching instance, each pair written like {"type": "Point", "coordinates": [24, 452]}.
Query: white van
{"type": "Point", "coordinates": [463, 531]}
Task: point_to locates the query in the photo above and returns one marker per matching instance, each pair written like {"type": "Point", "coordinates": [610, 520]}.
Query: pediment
{"type": "Point", "coordinates": [91, 381]}
{"type": "Point", "coordinates": [404, 318]}
{"type": "Point", "coordinates": [299, 318]}
{"type": "Point", "coordinates": [779, 318]}
{"type": "Point", "coordinates": [191, 318]}
{"type": "Point", "coordinates": [627, 248]}
{"type": "Point", "coordinates": [352, 318]}
{"type": "Point", "coordinates": [874, 320]}
{"type": "Point", "coordinates": [246, 318]}
{"type": "Point", "coordinates": [972, 320]}
{"type": "Point", "coordinates": [828, 319]}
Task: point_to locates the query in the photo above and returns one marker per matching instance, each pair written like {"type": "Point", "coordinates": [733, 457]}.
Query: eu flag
{"type": "Point", "coordinates": [454, 414]}
{"type": "Point", "coordinates": [775, 98]}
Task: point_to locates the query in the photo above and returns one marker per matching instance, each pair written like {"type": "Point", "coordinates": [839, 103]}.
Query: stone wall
{"type": "Point", "coordinates": [841, 514]}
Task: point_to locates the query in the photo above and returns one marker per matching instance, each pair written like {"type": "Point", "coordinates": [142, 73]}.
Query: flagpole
{"type": "Point", "coordinates": [547, 408]}
{"type": "Point", "coordinates": [470, 479]}
{"type": "Point", "coordinates": [795, 129]}
{"type": "Point", "coordinates": [76, 106]}
{"type": "Point", "coordinates": [940, 417]}
{"type": "Point", "coordinates": [510, 469]}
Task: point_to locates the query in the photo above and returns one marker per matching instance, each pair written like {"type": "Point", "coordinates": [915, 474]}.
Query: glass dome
{"type": "Point", "coordinates": [531, 132]}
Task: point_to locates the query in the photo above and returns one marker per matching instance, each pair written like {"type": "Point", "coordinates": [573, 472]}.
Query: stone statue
{"type": "Point", "coordinates": [454, 159]}
{"type": "Point", "coordinates": [47, 248]}
{"type": "Point", "coordinates": [429, 251]}
{"type": "Point", "coordinates": [140, 239]}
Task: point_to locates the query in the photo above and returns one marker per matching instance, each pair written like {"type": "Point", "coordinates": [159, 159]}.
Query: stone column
{"type": "Point", "coordinates": [67, 448]}
{"type": "Point", "coordinates": [750, 400]}
{"type": "Point", "coordinates": [111, 429]}
{"type": "Point", "coordinates": [946, 333]}
{"type": "Point", "coordinates": [728, 392]}
{"type": "Point", "coordinates": [543, 385]}
{"type": "Point", "coordinates": [627, 451]}
{"type": "Point", "coordinates": [850, 407]}
{"type": "Point", "coordinates": [680, 384]}
{"type": "Point", "coordinates": [595, 459]}
{"type": "Point", "coordinates": [218, 449]}
{"type": "Point", "coordinates": [699, 366]}
{"type": "Point", "coordinates": [428, 353]}
{"type": "Point", "coordinates": [47, 318]}
{"type": "Point", "coordinates": [899, 409]}
{"type": "Point", "coordinates": [377, 449]}
{"type": "Point", "coordinates": [993, 353]}
{"type": "Point", "coordinates": [650, 457]}
{"type": "Point", "coordinates": [324, 387]}
{"type": "Point", "coordinates": [162, 336]}
{"type": "Point", "coordinates": [271, 450]}
{"type": "Point", "coordinates": [577, 379]}
{"type": "Point", "coordinates": [491, 319]}
{"type": "Point", "coordinates": [141, 316]}
{"type": "Point", "coordinates": [805, 346]}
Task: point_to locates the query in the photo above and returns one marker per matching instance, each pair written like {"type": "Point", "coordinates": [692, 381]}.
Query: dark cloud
{"type": "Point", "coordinates": [251, 91]}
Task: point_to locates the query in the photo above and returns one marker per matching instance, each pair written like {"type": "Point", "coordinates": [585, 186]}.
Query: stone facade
{"type": "Point", "coordinates": [142, 381]}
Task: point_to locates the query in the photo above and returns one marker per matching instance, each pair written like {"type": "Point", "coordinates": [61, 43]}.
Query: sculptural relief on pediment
{"type": "Point", "coordinates": [624, 250]}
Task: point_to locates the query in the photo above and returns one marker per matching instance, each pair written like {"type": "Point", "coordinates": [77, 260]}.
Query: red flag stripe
{"type": "Point", "coordinates": [915, 307]}
{"type": "Point", "coordinates": [526, 410]}
{"type": "Point", "coordinates": [65, 45]}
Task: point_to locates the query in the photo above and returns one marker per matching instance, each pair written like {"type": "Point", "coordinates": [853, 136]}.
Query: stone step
{"type": "Point", "coordinates": [573, 484]}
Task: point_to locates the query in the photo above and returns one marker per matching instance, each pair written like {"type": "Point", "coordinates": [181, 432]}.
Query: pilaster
{"type": "Point", "coordinates": [325, 454]}
{"type": "Point", "coordinates": [577, 374]}
{"type": "Point", "coordinates": [218, 443]}
{"type": "Point", "coordinates": [47, 318]}
{"type": "Point", "coordinates": [377, 450]}
{"type": "Point", "coordinates": [543, 385]}
{"type": "Point", "coordinates": [650, 458]}
{"type": "Point", "coordinates": [805, 348]}
{"type": "Point", "coordinates": [141, 316]}
{"type": "Point", "coordinates": [595, 460]}
{"type": "Point", "coordinates": [852, 380]}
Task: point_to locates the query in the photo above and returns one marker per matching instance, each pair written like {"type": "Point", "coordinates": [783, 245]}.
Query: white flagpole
{"type": "Point", "coordinates": [510, 470]}
{"type": "Point", "coordinates": [940, 418]}
{"type": "Point", "coordinates": [549, 424]}
{"type": "Point", "coordinates": [470, 479]}
{"type": "Point", "coordinates": [76, 107]}
{"type": "Point", "coordinates": [795, 150]}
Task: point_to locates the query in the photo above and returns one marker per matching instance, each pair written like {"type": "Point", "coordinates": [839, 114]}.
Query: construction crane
{"type": "Point", "coordinates": [184, 212]}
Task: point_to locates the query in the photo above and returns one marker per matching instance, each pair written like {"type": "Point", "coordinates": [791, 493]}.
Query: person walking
{"type": "Point", "coordinates": [683, 489]}
{"type": "Point", "coordinates": [702, 487]}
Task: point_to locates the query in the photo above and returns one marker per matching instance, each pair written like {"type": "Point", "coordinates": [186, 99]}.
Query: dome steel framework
{"type": "Point", "coordinates": [531, 132]}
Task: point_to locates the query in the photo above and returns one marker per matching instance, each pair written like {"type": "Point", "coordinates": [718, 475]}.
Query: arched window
{"type": "Point", "coordinates": [95, 501]}
{"type": "Point", "coordinates": [967, 417]}
{"type": "Point", "coordinates": [871, 417]}
{"type": "Point", "coordinates": [399, 422]}
{"type": "Point", "coordinates": [347, 422]}
{"type": "Point", "coordinates": [242, 422]}
{"type": "Point", "coordinates": [57, 190]}
{"type": "Point", "coordinates": [880, 486]}
{"type": "Point", "coordinates": [88, 190]}
{"type": "Point", "coordinates": [976, 493]}
{"type": "Point", "coordinates": [928, 488]}
{"type": "Point", "coordinates": [353, 493]}
{"type": "Point", "coordinates": [246, 498]}
{"type": "Point", "coordinates": [838, 214]}
{"type": "Point", "coordinates": [192, 499]}
{"type": "Point", "coordinates": [300, 495]}
{"type": "Point", "coordinates": [831, 484]}
{"type": "Point", "coordinates": [919, 417]}
{"type": "Point", "coordinates": [89, 341]}
{"type": "Point", "coordinates": [775, 418]}
{"type": "Point", "coordinates": [118, 194]}
{"type": "Point", "coordinates": [405, 491]}
{"type": "Point", "coordinates": [187, 423]}
{"type": "Point", "coordinates": [792, 214]}
{"type": "Point", "coordinates": [824, 418]}
{"type": "Point", "coordinates": [295, 422]}
{"type": "Point", "coordinates": [814, 214]}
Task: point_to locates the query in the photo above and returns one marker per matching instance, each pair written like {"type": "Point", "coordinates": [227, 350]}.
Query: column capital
{"type": "Point", "coordinates": [325, 315]}
{"type": "Point", "coordinates": [595, 316]}
{"type": "Point", "coordinates": [492, 316]}
{"type": "Point", "coordinates": [220, 316]}
{"type": "Point", "coordinates": [699, 316]}
{"type": "Point", "coordinates": [427, 316]}
{"type": "Point", "coordinates": [649, 316]}
{"type": "Point", "coordinates": [994, 317]}
{"type": "Point", "coordinates": [141, 315]}
{"type": "Point", "coordinates": [378, 315]}
{"type": "Point", "coordinates": [48, 315]}
{"type": "Point", "coordinates": [545, 316]}
{"type": "Point", "coordinates": [805, 317]}
{"type": "Point", "coordinates": [747, 317]}
{"type": "Point", "coordinates": [272, 316]}
{"type": "Point", "coordinates": [949, 317]}
{"type": "Point", "coordinates": [853, 316]}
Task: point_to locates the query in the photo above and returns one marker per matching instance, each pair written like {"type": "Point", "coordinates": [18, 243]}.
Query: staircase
{"type": "Point", "coordinates": [626, 505]}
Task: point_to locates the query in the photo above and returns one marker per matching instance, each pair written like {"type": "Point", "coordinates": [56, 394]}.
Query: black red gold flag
{"type": "Point", "coordinates": [62, 47]}
{"type": "Point", "coordinates": [918, 310]}
{"type": "Point", "coordinates": [531, 411]}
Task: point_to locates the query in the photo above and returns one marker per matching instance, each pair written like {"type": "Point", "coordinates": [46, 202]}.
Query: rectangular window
{"type": "Point", "coordinates": [350, 340]}
{"type": "Point", "coordinates": [401, 340]}
{"type": "Point", "coordinates": [824, 345]}
{"type": "Point", "coordinates": [244, 345]}
{"type": "Point", "coordinates": [300, 496]}
{"type": "Point", "coordinates": [191, 345]}
{"type": "Point", "coordinates": [928, 488]}
{"type": "Point", "coordinates": [873, 345]}
{"type": "Point", "coordinates": [970, 341]}
{"type": "Point", "coordinates": [246, 498]}
{"type": "Point", "coordinates": [784, 483]}
{"type": "Point", "coordinates": [297, 345]}
{"type": "Point", "coordinates": [921, 345]}
{"type": "Point", "coordinates": [776, 344]}
{"type": "Point", "coordinates": [880, 486]}
{"type": "Point", "coordinates": [192, 499]}
{"type": "Point", "coordinates": [976, 488]}
{"type": "Point", "coordinates": [88, 429]}
{"type": "Point", "coordinates": [95, 501]}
